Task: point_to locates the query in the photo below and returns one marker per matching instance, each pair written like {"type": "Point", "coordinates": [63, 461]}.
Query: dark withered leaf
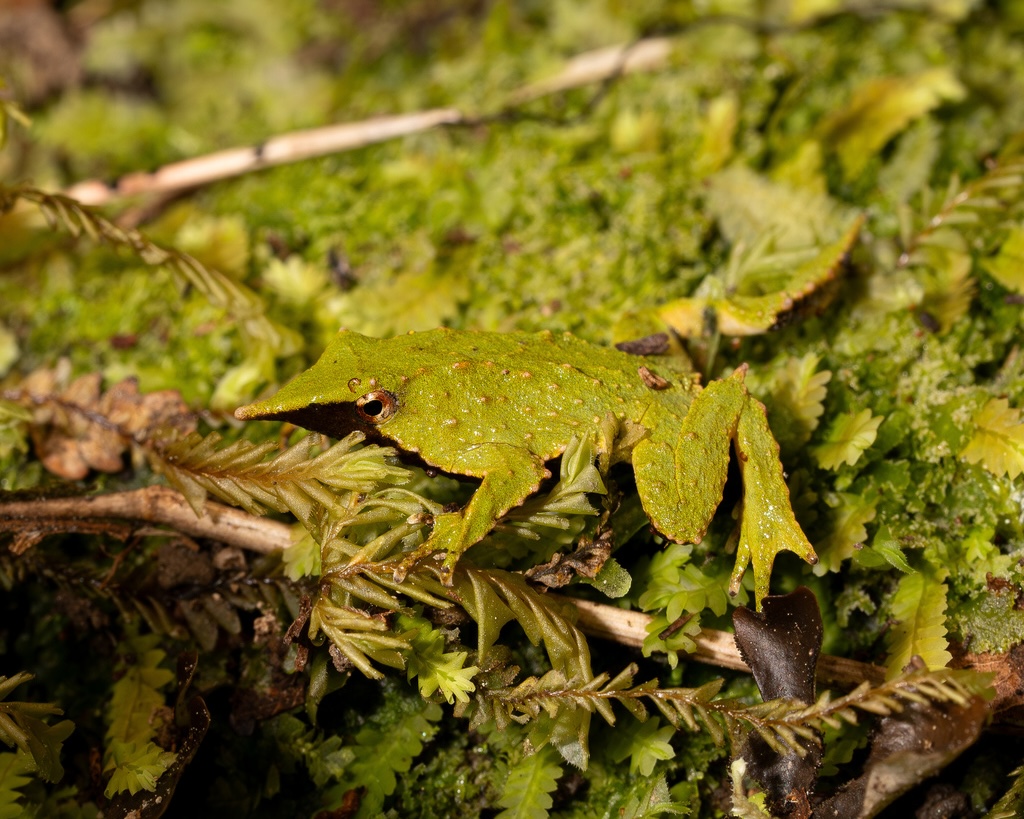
{"type": "Point", "coordinates": [78, 427]}
{"type": "Point", "coordinates": [586, 561]}
{"type": "Point", "coordinates": [781, 645]}
{"type": "Point", "coordinates": [908, 748]}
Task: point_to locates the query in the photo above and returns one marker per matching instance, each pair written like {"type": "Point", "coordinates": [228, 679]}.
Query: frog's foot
{"type": "Point", "coordinates": [444, 541]}
{"type": "Point", "coordinates": [767, 524]}
{"type": "Point", "coordinates": [413, 561]}
{"type": "Point", "coordinates": [681, 479]}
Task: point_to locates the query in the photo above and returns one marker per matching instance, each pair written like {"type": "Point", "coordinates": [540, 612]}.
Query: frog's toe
{"type": "Point", "coordinates": [448, 568]}
{"type": "Point", "coordinates": [401, 571]}
{"type": "Point", "coordinates": [409, 563]}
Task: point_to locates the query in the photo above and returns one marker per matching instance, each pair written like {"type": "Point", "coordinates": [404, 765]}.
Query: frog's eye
{"type": "Point", "coordinates": [377, 406]}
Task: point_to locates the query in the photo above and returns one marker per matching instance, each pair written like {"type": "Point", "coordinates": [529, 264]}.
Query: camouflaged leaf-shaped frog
{"type": "Point", "coordinates": [499, 406]}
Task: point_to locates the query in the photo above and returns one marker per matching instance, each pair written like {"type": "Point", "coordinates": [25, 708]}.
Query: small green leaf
{"type": "Point", "coordinates": [612, 580]}
{"type": "Point", "coordinates": [850, 434]}
{"type": "Point", "coordinates": [645, 743]}
{"type": "Point", "coordinates": [884, 551]}
{"type": "Point", "coordinates": [135, 768]}
{"type": "Point", "coordinates": [302, 558]}
{"type": "Point", "coordinates": [846, 531]}
{"type": "Point", "coordinates": [1007, 267]}
{"type": "Point", "coordinates": [798, 395]}
{"type": "Point", "coordinates": [882, 108]}
{"type": "Point", "coordinates": [919, 606]}
{"type": "Point", "coordinates": [384, 750]}
{"type": "Point", "coordinates": [529, 785]}
{"type": "Point", "coordinates": [434, 668]}
{"type": "Point", "coordinates": [998, 440]}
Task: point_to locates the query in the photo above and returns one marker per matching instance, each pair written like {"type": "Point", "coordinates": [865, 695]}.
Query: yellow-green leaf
{"type": "Point", "coordinates": [882, 108]}
{"type": "Point", "coordinates": [998, 440]}
{"type": "Point", "coordinates": [759, 292]}
{"type": "Point", "coordinates": [1007, 267]}
{"type": "Point", "coordinates": [850, 435]}
{"type": "Point", "coordinates": [849, 515]}
{"type": "Point", "coordinates": [799, 394]}
{"type": "Point", "coordinates": [919, 607]}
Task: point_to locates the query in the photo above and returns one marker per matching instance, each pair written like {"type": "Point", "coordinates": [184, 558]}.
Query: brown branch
{"type": "Point", "coordinates": [278, 150]}
{"type": "Point", "coordinates": [166, 507]}
{"type": "Point", "coordinates": [714, 647]}
{"type": "Point", "coordinates": [152, 505]}
{"type": "Point", "coordinates": [125, 513]}
{"type": "Point", "coordinates": [601, 65]}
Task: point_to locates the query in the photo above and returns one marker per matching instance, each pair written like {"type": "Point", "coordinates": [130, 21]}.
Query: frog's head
{"type": "Point", "coordinates": [339, 394]}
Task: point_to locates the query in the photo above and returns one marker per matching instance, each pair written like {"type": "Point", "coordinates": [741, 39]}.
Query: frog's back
{"type": "Point", "coordinates": [536, 390]}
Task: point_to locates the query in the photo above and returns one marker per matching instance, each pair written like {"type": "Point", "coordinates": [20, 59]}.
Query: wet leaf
{"type": "Point", "coordinates": [781, 645]}
{"type": "Point", "coordinates": [908, 748]}
{"type": "Point", "coordinates": [769, 293]}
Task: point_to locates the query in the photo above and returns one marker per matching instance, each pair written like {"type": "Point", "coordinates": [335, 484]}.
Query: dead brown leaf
{"type": "Point", "coordinates": [78, 428]}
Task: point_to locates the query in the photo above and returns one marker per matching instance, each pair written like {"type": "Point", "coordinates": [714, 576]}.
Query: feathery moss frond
{"type": "Point", "coordinates": [961, 205]}
{"type": "Point", "coordinates": [237, 300]}
{"type": "Point", "coordinates": [294, 480]}
{"type": "Point", "coordinates": [132, 759]}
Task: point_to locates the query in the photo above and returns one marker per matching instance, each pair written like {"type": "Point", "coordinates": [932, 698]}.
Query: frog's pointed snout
{"type": "Point", "coordinates": [298, 394]}
{"type": "Point", "coordinates": [306, 401]}
{"type": "Point", "coordinates": [259, 409]}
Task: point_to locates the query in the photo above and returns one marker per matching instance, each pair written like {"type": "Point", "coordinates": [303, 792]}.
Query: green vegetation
{"type": "Point", "coordinates": [831, 193]}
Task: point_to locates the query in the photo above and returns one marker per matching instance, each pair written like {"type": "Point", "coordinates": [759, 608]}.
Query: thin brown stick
{"type": "Point", "coordinates": [152, 505]}
{"type": "Point", "coordinates": [278, 150]}
{"type": "Point", "coordinates": [714, 647]}
{"type": "Point", "coordinates": [599, 65]}
{"type": "Point", "coordinates": [158, 505]}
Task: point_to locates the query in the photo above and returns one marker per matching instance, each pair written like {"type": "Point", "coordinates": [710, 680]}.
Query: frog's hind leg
{"type": "Point", "coordinates": [681, 468]}
{"type": "Point", "coordinates": [767, 524]}
{"type": "Point", "coordinates": [511, 476]}
{"type": "Point", "coordinates": [681, 481]}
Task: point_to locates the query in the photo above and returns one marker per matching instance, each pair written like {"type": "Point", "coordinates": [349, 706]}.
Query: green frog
{"type": "Point", "coordinates": [499, 406]}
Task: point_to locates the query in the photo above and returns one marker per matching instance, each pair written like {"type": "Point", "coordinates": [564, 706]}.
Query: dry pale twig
{"type": "Point", "coordinates": [278, 150]}
{"type": "Point", "coordinates": [121, 513]}
{"type": "Point", "coordinates": [166, 507]}
{"type": "Point", "coordinates": [152, 505]}
{"type": "Point", "coordinates": [714, 647]}
{"type": "Point", "coordinates": [590, 67]}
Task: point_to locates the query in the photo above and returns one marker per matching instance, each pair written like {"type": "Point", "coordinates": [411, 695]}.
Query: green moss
{"type": "Point", "coordinates": [557, 216]}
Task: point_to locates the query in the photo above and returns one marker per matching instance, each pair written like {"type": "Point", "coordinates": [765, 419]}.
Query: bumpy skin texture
{"type": "Point", "coordinates": [498, 406]}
